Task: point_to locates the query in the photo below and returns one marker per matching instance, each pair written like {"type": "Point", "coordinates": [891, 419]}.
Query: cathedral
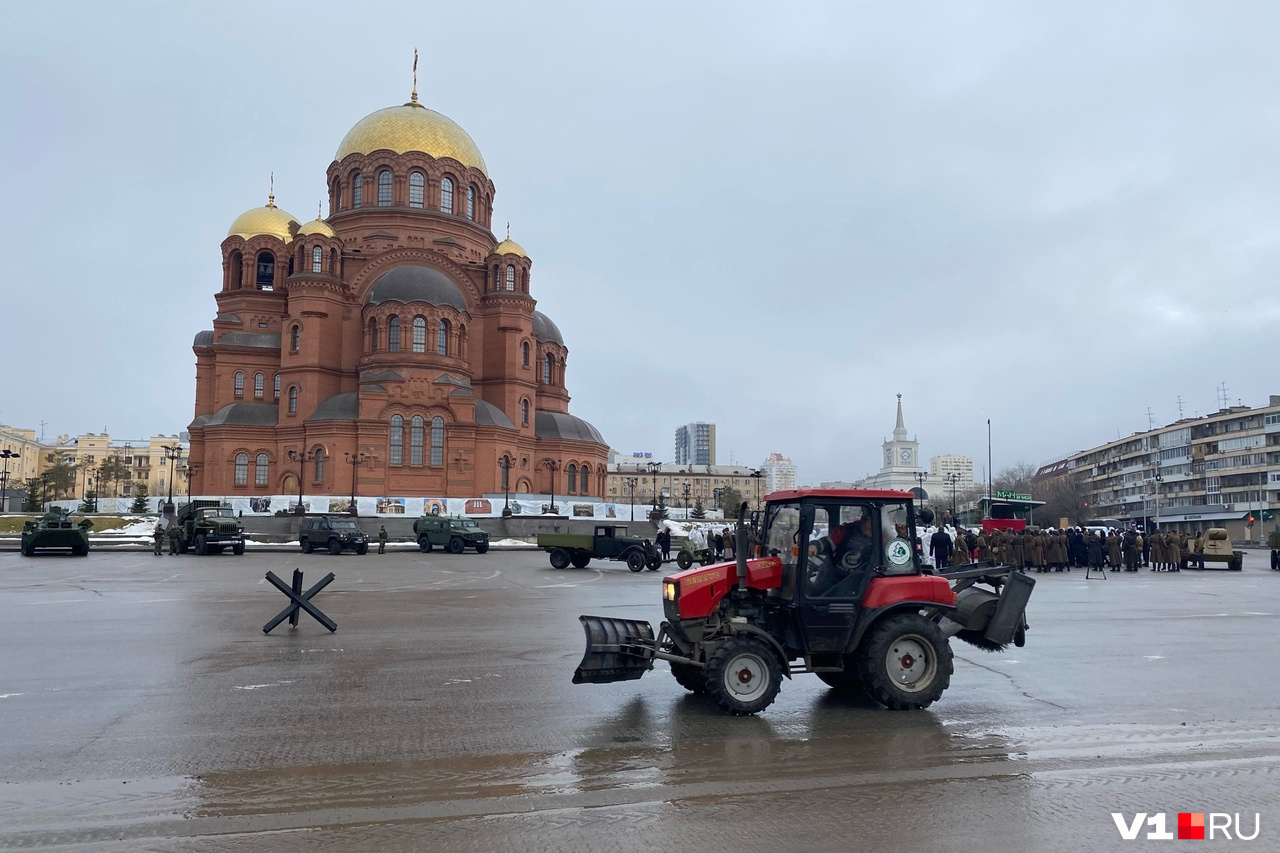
{"type": "Point", "coordinates": [392, 347]}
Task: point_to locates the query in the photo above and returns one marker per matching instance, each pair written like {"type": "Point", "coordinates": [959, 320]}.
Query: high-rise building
{"type": "Point", "coordinates": [779, 473]}
{"type": "Point", "coordinates": [696, 444]}
{"type": "Point", "coordinates": [960, 466]}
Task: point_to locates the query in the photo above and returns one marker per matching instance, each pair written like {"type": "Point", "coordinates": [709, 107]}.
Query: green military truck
{"type": "Point", "coordinates": [607, 542]}
{"type": "Point", "coordinates": [56, 530]}
{"type": "Point", "coordinates": [456, 534]}
{"type": "Point", "coordinates": [207, 527]}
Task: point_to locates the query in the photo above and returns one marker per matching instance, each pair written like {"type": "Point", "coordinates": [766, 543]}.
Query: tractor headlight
{"type": "Point", "coordinates": [669, 591]}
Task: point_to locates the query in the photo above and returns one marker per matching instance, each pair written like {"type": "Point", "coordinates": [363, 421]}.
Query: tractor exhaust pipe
{"type": "Point", "coordinates": [740, 545]}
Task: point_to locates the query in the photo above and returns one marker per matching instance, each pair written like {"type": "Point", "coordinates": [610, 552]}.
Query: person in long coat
{"type": "Point", "coordinates": [1093, 549]}
{"type": "Point", "coordinates": [984, 548]}
{"type": "Point", "coordinates": [1113, 550]}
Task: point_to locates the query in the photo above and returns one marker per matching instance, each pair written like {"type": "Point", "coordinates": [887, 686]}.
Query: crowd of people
{"type": "Point", "coordinates": [1052, 550]}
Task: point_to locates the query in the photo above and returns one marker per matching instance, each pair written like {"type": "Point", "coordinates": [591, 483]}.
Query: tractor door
{"type": "Point", "coordinates": [836, 566]}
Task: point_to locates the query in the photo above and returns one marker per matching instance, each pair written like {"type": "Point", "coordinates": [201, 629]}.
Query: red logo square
{"type": "Point", "coordinates": [1191, 825]}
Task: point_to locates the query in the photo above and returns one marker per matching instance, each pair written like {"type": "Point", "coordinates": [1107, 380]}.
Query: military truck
{"type": "Point", "coordinates": [606, 542]}
{"type": "Point", "coordinates": [207, 527]}
{"type": "Point", "coordinates": [334, 532]}
{"type": "Point", "coordinates": [56, 531]}
{"type": "Point", "coordinates": [456, 534]}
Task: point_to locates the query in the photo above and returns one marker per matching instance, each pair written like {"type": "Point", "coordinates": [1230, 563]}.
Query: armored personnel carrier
{"type": "Point", "coordinates": [56, 531]}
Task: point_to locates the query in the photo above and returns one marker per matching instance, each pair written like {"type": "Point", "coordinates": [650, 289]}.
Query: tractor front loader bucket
{"type": "Point", "coordinates": [617, 650]}
{"type": "Point", "coordinates": [992, 616]}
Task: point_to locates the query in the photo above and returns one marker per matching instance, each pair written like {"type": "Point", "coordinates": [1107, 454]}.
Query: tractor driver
{"type": "Point", "coordinates": [848, 547]}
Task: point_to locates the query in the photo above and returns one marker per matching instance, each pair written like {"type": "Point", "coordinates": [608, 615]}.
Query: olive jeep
{"type": "Point", "coordinates": [456, 534]}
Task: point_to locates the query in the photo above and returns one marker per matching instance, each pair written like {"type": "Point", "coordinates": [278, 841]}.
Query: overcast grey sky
{"type": "Point", "coordinates": [769, 216]}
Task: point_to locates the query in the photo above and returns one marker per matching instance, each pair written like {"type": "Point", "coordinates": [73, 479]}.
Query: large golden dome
{"type": "Point", "coordinates": [509, 247]}
{"type": "Point", "coordinates": [269, 220]}
{"type": "Point", "coordinates": [411, 127]}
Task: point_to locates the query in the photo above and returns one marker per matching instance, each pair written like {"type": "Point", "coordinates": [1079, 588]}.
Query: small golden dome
{"type": "Point", "coordinates": [411, 127]}
{"type": "Point", "coordinates": [316, 226]}
{"type": "Point", "coordinates": [509, 247]}
{"type": "Point", "coordinates": [269, 220]}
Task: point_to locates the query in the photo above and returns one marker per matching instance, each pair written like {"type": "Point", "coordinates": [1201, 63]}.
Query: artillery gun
{"type": "Point", "coordinates": [56, 531]}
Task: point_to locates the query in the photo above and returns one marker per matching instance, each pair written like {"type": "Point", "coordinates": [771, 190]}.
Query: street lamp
{"type": "Point", "coordinates": [757, 474]}
{"type": "Point", "coordinates": [553, 466]}
{"type": "Point", "coordinates": [686, 500]}
{"type": "Point", "coordinates": [302, 458]}
{"type": "Point", "coordinates": [171, 454]}
{"type": "Point", "coordinates": [88, 488]}
{"type": "Point", "coordinates": [1159, 480]}
{"type": "Point", "coordinates": [952, 479]}
{"type": "Point", "coordinates": [715, 494]}
{"type": "Point", "coordinates": [44, 490]}
{"type": "Point", "coordinates": [6, 455]}
{"type": "Point", "coordinates": [921, 476]}
{"type": "Point", "coordinates": [630, 482]}
{"type": "Point", "coordinates": [505, 464]}
{"type": "Point", "coordinates": [655, 467]}
{"type": "Point", "coordinates": [356, 459]}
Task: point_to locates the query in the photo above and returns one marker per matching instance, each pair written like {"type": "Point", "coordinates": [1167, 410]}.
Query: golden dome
{"type": "Point", "coordinates": [316, 226]}
{"type": "Point", "coordinates": [411, 127]}
{"type": "Point", "coordinates": [269, 220]}
{"type": "Point", "coordinates": [509, 247]}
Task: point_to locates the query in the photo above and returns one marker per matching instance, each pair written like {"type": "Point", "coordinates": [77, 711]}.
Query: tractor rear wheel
{"type": "Point", "coordinates": [580, 559]}
{"type": "Point", "coordinates": [456, 545]}
{"type": "Point", "coordinates": [743, 676]}
{"type": "Point", "coordinates": [905, 663]}
{"type": "Point", "coordinates": [689, 677]}
{"type": "Point", "coordinates": [559, 558]}
{"type": "Point", "coordinates": [848, 681]}
{"type": "Point", "coordinates": [635, 561]}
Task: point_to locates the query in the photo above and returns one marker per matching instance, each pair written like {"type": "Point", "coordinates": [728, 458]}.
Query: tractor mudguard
{"type": "Point", "coordinates": [754, 631]}
{"type": "Point", "coordinates": [617, 650]}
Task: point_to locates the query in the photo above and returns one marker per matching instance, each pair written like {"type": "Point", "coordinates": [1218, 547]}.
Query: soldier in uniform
{"type": "Point", "coordinates": [1156, 551]}
{"type": "Point", "coordinates": [984, 548]}
{"type": "Point", "coordinates": [157, 538]}
{"type": "Point", "coordinates": [1037, 552]}
{"type": "Point", "coordinates": [1017, 551]}
{"type": "Point", "coordinates": [175, 539]}
{"type": "Point", "coordinates": [1113, 550]}
{"type": "Point", "coordinates": [382, 539]}
{"type": "Point", "coordinates": [1093, 549]}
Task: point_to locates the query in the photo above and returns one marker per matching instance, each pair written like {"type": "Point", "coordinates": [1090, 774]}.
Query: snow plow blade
{"type": "Point", "coordinates": [617, 650]}
{"type": "Point", "coordinates": [992, 616]}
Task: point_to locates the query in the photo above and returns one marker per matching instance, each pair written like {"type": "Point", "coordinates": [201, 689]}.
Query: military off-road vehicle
{"type": "Point", "coordinates": [207, 527]}
{"type": "Point", "coordinates": [456, 534]}
{"type": "Point", "coordinates": [334, 532]}
{"type": "Point", "coordinates": [56, 531]}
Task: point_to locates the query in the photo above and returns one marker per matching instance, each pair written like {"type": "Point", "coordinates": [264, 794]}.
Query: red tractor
{"type": "Point", "coordinates": [832, 585]}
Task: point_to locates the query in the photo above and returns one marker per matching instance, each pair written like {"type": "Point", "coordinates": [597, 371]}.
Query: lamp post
{"type": "Point", "coordinates": [302, 458]}
{"type": "Point", "coordinates": [553, 466]}
{"type": "Point", "coordinates": [654, 468]}
{"type": "Point", "coordinates": [505, 463]}
{"type": "Point", "coordinates": [44, 490]}
{"type": "Point", "coordinates": [6, 455]}
{"type": "Point", "coordinates": [171, 454]}
{"type": "Point", "coordinates": [630, 483]}
{"type": "Point", "coordinates": [757, 474]}
{"type": "Point", "coordinates": [1159, 480]}
{"type": "Point", "coordinates": [356, 459]}
{"type": "Point", "coordinates": [715, 494]}
{"type": "Point", "coordinates": [921, 476]}
{"type": "Point", "coordinates": [88, 488]}
{"type": "Point", "coordinates": [952, 479]}
{"type": "Point", "coordinates": [686, 500]}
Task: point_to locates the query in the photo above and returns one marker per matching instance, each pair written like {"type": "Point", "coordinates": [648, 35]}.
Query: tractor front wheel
{"type": "Point", "coordinates": [743, 676]}
{"type": "Point", "coordinates": [905, 662]}
{"type": "Point", "coordinates": [580, 559]}
{"type": "Point", "coordinates": [559, 558]}
{"type": "Point", "coordinates": [635, 561]}
{"type": "Point", "coordinates": [689, 677]}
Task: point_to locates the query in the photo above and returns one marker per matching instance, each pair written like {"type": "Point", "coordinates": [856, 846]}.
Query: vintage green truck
{"type": "Point", "coordinates": [607, 542]}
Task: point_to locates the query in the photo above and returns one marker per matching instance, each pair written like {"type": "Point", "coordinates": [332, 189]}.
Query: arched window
{"type": "Point", "coordinates": [437, 441]}
{"type": "Point", "coordinates": [442, 338]}
{"type": "Point", "coordinates": [419, 334]}
{"type": "Point", "coordinates": [446, 195]}
{"type": "Point", "coordinates": [357, 190]}
{"type": "Point", "coordinates": [471, 202]}
{"type": "Point", "coordinates": [275, 391]}
{"type": "Point", "coordinates": [336, 196]}
{"type": "Point", "coordinates": [524, 413]}
{"type": "Point", "coordinates": [524, 354]}
{"type": "Point", "coordinates": [319, 478]}
{"type": "Point", "coordinates": [417, 183]}
{"type": "Point", "coordinates": [266, 271]}
{"type": "Point", "coordinates": [571, 474]}
{"type": "Point", "coordinates": [236, 273]}
{"type": "Point", "coordinates": [373, 335]}
{"type": "Point", "coordinates": [511, 277]}
{"type": "Point", "coordinates": [396, 457]}
{"type": "Point", "coordinates": [239, 384]}
{"type": "Point", "coordinates": [415, 440]}
{"type": "Point", "coordinates": [258, 385]}
{"type": "Point", "coordinates": [242, 469]}
{"type": "Point", "coordinates": [295, 337]}
{"type": "Point", "coordinates": [393, 334]}
{"type": "Point", "coordinates": [261, 470]}
{"type": "Point", "coordinates": [546, 369]}
{"type": "Point", "coordinates": [317, 259]}
{"type": "Point", "coordinates": [293, 399]}
{"type": "Point", "coordinates": [384, 188]}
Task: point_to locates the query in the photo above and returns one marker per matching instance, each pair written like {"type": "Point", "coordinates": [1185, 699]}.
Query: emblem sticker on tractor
{"type": "Point", "coordinates": [898, 552]}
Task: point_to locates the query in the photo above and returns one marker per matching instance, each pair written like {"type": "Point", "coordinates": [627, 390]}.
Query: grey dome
{"type": "Point", "coordinates": [416, 284]}
{"type": "Point", "coordinates": [488, 414]}
{"type": "Point", "coordinates": [203, 339]}
{"type": "Point", "coordinates": [339, 407]}
{"type": "Point", "coordinates": [566, 426]}
{"type": "Point", "coordinates": [244, 414]}
{"type": "Point", "coordinates": [545, 330]}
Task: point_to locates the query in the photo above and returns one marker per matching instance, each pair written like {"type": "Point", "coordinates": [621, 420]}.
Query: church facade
{"type": "Point", "coordinates": [392, 347]}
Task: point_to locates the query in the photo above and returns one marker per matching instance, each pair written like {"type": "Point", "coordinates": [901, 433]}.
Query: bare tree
{"type": "Point", "coordinates": [1019, 478]}
{"type": "Point", "coordinates": [1066, 496]}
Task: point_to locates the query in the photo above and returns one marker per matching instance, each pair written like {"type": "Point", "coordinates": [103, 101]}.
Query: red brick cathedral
{"type": "Point", "coordinates": [398, 331]}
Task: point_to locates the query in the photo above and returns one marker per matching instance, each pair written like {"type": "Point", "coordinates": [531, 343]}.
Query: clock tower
{"type": "Point", "coordinates": [900, 454]}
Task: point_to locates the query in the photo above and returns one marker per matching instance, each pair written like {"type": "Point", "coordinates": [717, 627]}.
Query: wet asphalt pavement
{"type": "Point", "coordinates": [142, 708]}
